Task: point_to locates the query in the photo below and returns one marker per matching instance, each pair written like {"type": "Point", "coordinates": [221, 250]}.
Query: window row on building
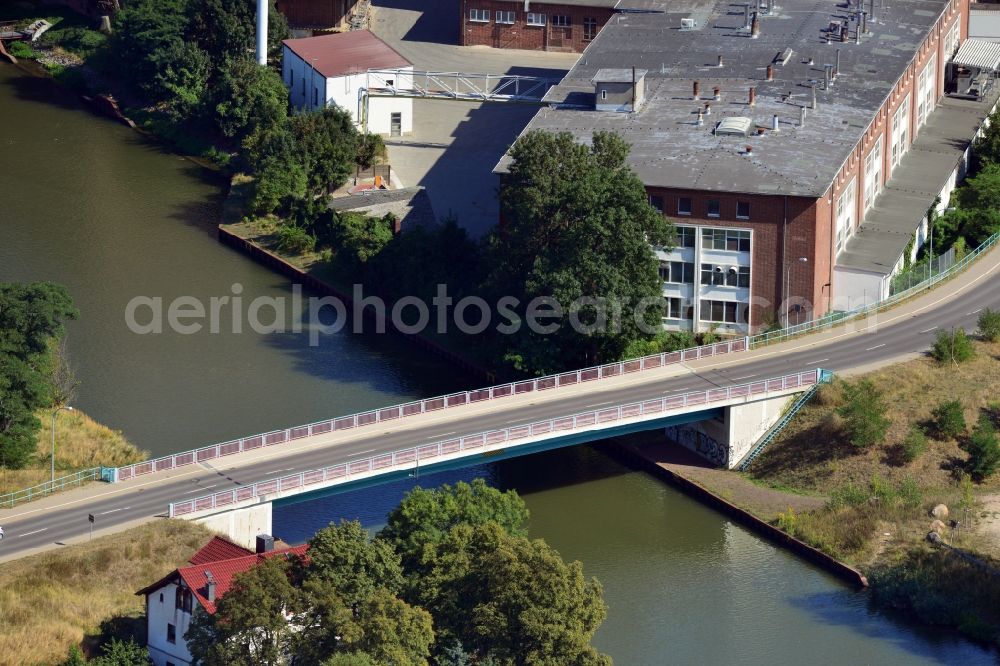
{"type": "Point", "coordinates": [714, 311]}
{"type": "Point", "coordinates": [733, 240]}
{"type": "Point", "coordinates": [711, 208]}
{"type": "Point", "coordinates": [536, 19]}
{"type": "Point", "coordinates": [682, 272]}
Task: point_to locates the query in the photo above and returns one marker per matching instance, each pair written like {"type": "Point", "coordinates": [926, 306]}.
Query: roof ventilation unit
{"type": "Point", "coordinates": [734, 126]}
{"type": "Point", "coordinates": [688, 24]}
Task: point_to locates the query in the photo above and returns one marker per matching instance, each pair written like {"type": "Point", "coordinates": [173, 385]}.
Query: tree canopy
{"type": "Point", "coordinates": [31, 321]}
{"type": "Point", "coordinates": [576, 227]}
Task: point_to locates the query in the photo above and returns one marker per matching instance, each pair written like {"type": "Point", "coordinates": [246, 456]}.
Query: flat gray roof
{"type": "Point", "coordinates": [669, 149]}
{"type": "Point", "coordinates": [920, 176]}
{"type": "Point", "coordinates": [609, 75]}
{"type": "Point", "coordinates": [411, 205]}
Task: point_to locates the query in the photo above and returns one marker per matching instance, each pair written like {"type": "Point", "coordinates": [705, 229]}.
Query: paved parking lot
{"type": "Point", "coordinates": [456, 144]}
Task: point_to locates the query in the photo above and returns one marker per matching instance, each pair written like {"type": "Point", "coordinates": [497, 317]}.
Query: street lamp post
{"type": "Point", "coordinates": [788, 280]}
{"type": "Point", "coordinates": [53, 460]}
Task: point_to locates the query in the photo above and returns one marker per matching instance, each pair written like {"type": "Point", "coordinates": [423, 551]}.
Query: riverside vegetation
{"type": "Point", "coordinates": [886, 449]}
{"type": "Point", "coordinates": [452, 579]}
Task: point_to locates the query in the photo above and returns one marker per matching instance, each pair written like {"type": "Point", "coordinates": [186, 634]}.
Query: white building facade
{"type": "Point", "coordinates": [168, 616]}
{"type": "Point", "coordinates": [333, 69]}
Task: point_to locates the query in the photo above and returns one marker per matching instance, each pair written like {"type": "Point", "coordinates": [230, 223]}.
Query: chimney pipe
{"type": "Point", "coordinates": [262, 7]}
{"type": "Point", "coordinates": [697, 90]}
{"type": "Point", "coordinates": [701, 118]}
{"type": "Point", "coordinates": [857, 27]}
{"type": "Point", "coordinates": [802, 116]}
{"type": "Point", "coordinates": [812, 104]}
{"type": "Point", "coordinates": [265, 543]}
{"type": "Point", "coordinates": [717, 93]}
{"type": "Point", "coordinates": [753, 96]}
{"type": "Point", "coordinates": [774, 123]}
{"type": "Point", "coordinates": [749, 149]}
{"type": "Point", "coordinates": [746, 15]}
{"type": "Point", "coordinates": [827, 76]}
{"type": "Point", "coordinates": [708, 109]}
{"type": "Point", "coordinates": [720, 60]}
{"type": "Point", "coordinates": [755, 27]}
{"type": "Point", "coordinates": [836, 67]}
{"type": "Point", "coordinates": [770, 72]}
{"type": "Point", "coordinates": [843, 31]}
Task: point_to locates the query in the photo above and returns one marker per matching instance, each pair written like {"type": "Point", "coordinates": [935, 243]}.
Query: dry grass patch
{"type": "Point", "coordinates": [81, 443]}
{"type": "Point", "coordinates": [813, 454]}
{"type": "Point", "coordinates": [50, 601]}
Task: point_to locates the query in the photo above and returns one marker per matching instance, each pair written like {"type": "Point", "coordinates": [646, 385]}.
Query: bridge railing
{"type": "Point", "coordinates": [9, 500]}
{"type": "Point", "coordinates": [411, 457]}
{"type": "Point", "coordinates": [395, 412]}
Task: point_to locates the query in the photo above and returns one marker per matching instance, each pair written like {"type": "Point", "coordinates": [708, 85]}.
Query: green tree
{"type": "Point", "coordinates": [986, 148]}
{"type": "Point", "coordinates": [949, 419]}
{"type": "Point", "coordinates": [914, 444]}
{"type": "Point", "coordinates": [953, 347]}
{"type": "Point", "coordinates": [979, 203]}
{"type": "Point", "coordinates": [350, 659]}
{"type": "Point", "coordinates": [425, 517]}
{"type": "Point", "coordinates": [249, 627]}
{"type": "Point", "coordinates": [357, 237]}
{"type": "Point", "coordinates": [228, 28]}
{"type": "Point", "coordinates": [370, 146]}
{"type": "Point", "coordinates": [983, 448]}
{"type": "Point", "coordinates": [864, 414]}
{"type": "Point", "coordinates": [147, 43]}
{"type": "Point", "coordinates": [250, 102]}
{"type": "Point", "coordinates": [31, 318]}
{"type": "Point", "coordinates": [354, 564]}
{"type": "Point", "coordinates": [122, 653]}
{"type": "Point", "coordinates": [327, 145]}
{"type": "Point", "coordinates": [507, 598]}
{"type": "Point", "coordinates": [279, 170]}
{"type": "Point", "coordinates": [183, 73]}
{"type": "Point", "coordinates": [989, 325]}
{"type": "Point", "coordinates": [577, 228]}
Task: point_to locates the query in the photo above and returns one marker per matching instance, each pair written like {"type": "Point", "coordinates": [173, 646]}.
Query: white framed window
{"type": "Point", "coordinates": [725, 312]}
{"type": "Point", "coordinates": [677, 272]}
{"type": "Point", "coordinates": [926, 91]}
{"type": "Point", "coordinates": [561, 21]}
{"type": "Point", "coordinates": [536, 19]}
{"type": "Point", "coordinates": [604, 94]}
{"type": "Point", "coordinates": [589, 29]}
{"type": "Point", "coordinates": [676, 308]}
{"type": "Point", "coordinates": [479, 15]}
{"type": "Point", "coordinates": [683, 205]}
{"type": "Point", "coordinates": [685, 236]}
{"type": "Point", "coordinates": [873, 174]}
{"type": "Point", "coordinates": [733, 240]}
{"type": "Point", "coordinates": [900, 132]}
{"type": "Point", "coordinates": [713, 208]}
{"type": "Point", "coordinates": [951, 42]}
{"type": "Point", "coordinates": [847, 203]}
{"type": "Point", "coordinates": [742, 210]}
{"type": "Point", "coordinates": [504, 17]}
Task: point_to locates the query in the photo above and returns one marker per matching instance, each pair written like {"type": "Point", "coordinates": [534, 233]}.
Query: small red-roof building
{"type": "Point", "coordinates": [172, 601]}
{"type": "Point", "coordinates": [333, 69]}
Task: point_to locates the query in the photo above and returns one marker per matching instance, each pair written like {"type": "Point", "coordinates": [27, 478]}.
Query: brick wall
{"type": "Point", "coordinates": [316, 13]}
{"type": "Point", "coordinates": [520, 35]}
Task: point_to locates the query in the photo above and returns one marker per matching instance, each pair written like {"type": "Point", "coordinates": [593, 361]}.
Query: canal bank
{"type": "Point", "coordinates": [120, 217]}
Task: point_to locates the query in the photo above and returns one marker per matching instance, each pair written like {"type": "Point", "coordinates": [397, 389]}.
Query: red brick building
{"type": "Point", "coordinates": [569, 25]}
{"type": "Point", "coordinates": [317, 14]}
{"type": "Point", "coordinates": [797, 164]}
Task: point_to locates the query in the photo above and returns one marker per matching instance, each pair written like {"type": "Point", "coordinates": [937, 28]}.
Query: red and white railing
{"type": "Point", "coordinates": [429, 405]}
{"type": "Point", "coordinates": [409, 458]}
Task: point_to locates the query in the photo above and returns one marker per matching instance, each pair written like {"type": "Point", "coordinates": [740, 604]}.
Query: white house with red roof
{"type": "Point", "coordinates": [172, 601]}
{"type": "Point", "coordinates": [332, 69]}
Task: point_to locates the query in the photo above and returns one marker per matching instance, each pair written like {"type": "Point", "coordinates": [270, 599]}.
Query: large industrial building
{"type": "Point", "coordinates": [797, 145]}
{"type": "Point", "coordinates": [558, 25]}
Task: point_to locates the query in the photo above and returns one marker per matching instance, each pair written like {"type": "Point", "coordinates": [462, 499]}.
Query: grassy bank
{"type": "Point", "coordinates": [51, 601]}
{"type": "Point", "coordinates": [81, 443]}
{"type": "Point", "coordinates": [881, 496]}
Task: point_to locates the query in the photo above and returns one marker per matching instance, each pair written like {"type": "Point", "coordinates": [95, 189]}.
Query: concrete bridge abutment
{"type": "Point", "coordinates": [241, 525]}
{"type": "Point", "coordinates": [725, 440]}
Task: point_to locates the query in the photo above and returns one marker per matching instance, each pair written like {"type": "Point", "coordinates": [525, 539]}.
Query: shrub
{"type": "Point", "coordinates": [864, 414]}
{"type": "Point", "coordinates": [949, 419]}
{"type": "Point", "coordinates": [909, 493]}
{"type": "Point", "coordinates": [984, 449]}
{"type": "Point", "coordinates": [914, 444]}
{"type": "Point", "coordinates": [787, 521]}
{"type": "Point", "coordinates": [989, 325]}
{"type": "Point", "coordinates": [295, 240]}
{"type": "Point", "coordinates": [22, 50]}
{"type": "Point", "coordinates": [953, 346]}
{"type": "Point", "coordinates": [882, 490]}
{"type": "Point", "coordinates": [849, 495]}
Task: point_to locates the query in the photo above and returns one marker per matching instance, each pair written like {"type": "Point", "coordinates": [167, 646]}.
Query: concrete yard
{"type": "Point", "coordinates": [455, 144]}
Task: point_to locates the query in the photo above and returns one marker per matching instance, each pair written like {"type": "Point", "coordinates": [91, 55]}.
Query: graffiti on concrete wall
{"type": "Point", "coordinates": [705, 446]}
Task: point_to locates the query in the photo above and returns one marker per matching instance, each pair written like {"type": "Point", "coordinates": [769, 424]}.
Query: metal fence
{"type": "Point", "coordinates": [483, 441]}
{"type": "Point", "coordinates": [837, 317]}
{"type": "Point", "coordinates": [429, 405]}
{"type": "Point", "coordinates": [921, 272]}
{"type": "Point", "coordinates": [41, 490]}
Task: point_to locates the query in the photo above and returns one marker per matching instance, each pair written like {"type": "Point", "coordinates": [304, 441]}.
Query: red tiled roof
{"type": "Point", "coordinates": [223, 572]}
{"type": "Point", "coordinates": [346, 52]}
{"type": "Point", "coordinates": [219, 549]}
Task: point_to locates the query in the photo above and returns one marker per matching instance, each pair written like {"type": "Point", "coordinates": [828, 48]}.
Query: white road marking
{"type": "Point", "coordinates": [600, 404]}
{"type": "Point", "coordinates": [975, 311]}
{"type": "Point", "coordinates": [442, 435]}
{"type": "Point", "coordinates": [736, 379]}
{"type": "Point", "coordinates": [877, 347]}
{"type": "Point", "coordinates": [273, 471]}
{"type": "Point", "coordinates": [201, 489]}
{"type": "Point", "coordinates": [30, 533]}
{"type": "Point", "coordinates": [928, 330]}
{"type": "Point", "coordinates": [124, 508]}
{"type": "Point", "coordinates": [817, 362]}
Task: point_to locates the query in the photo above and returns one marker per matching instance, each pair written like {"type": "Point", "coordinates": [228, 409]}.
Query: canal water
{"type": "Point", "coordinates": [88, 203]}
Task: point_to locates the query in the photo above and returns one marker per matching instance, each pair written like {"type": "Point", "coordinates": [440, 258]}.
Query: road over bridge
{"type": "Point", "coordinates": [893, 335]}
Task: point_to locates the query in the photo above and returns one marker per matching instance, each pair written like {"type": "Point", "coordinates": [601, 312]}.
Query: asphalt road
{"type": "Point", "coordinates": [30, 526]}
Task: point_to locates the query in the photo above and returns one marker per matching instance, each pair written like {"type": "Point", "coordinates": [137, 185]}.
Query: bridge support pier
{"type": "Point", "coordinates": [724, 442]}
{"type": "Point", "coordinates": [241, 525]}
